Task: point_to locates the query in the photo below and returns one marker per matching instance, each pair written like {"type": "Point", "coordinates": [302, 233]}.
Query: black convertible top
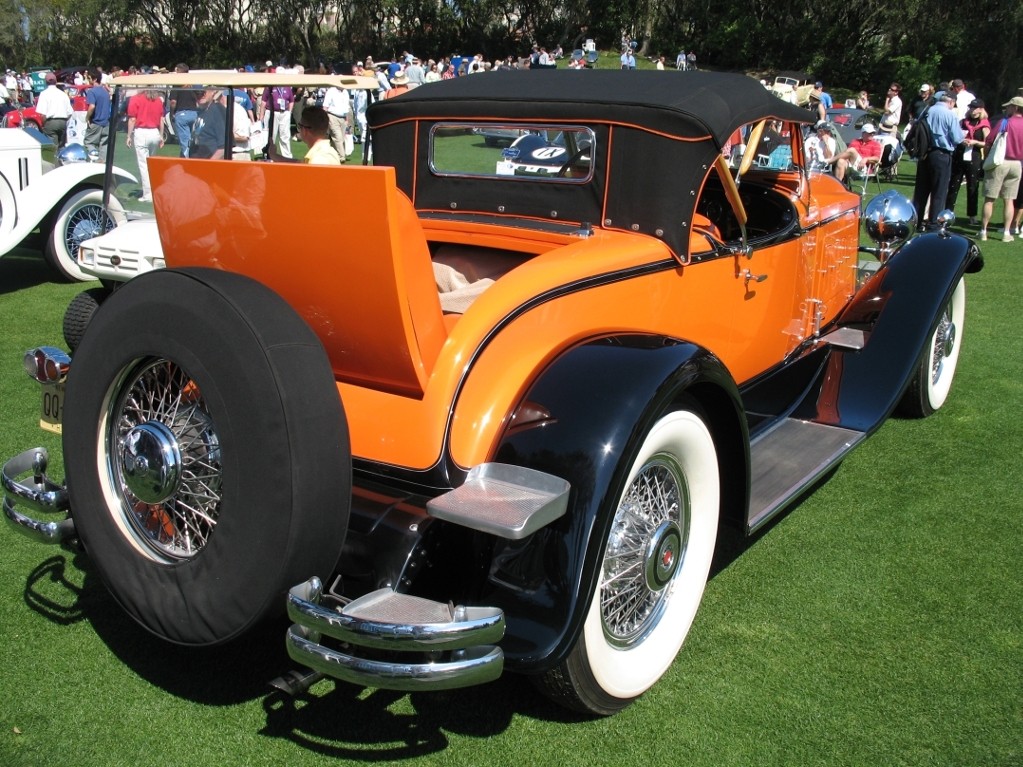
{"type": "Point", "coordinates": [685, 104]}
{"type": "Point", "coordinates": [656, 136]}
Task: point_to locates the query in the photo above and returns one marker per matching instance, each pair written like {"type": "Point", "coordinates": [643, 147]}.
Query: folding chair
{"type": "Point", "coordinates": [869, 171]}
{"type": "Point", "coordinates": [888, 168]}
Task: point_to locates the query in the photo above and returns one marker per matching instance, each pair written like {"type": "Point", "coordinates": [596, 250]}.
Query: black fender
{"type": "Point", "coordinates": [601, 396]}
{"type": "Point", "coordinates": [898, 309]}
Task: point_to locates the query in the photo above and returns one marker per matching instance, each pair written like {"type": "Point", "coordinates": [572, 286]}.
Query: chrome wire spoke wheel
{"type": "Point", "coordinates": [652, 569]}
{"type": "Point", "coordinates": [647, 543]}
{"type": "Point", "coordinates": [85, 223]}
{"type": "Point", "coordinates": [944, 344]}
{"type": "Point", "coordinates": [164, 469]}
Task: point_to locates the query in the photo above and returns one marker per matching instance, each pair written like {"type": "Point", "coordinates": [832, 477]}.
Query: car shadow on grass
{"type": "Point", "coordinates": [343, 721]}
{"type": "Point", "coordinates": [333, 717]}
{"type": "Point", "coordinates": [24, 267]}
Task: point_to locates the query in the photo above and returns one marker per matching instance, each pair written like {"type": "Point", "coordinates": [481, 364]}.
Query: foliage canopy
{"type": "Point", "coordinates": [863, 44]}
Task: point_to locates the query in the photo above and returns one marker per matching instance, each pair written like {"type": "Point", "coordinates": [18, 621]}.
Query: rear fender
{"type": "Point", "coordinates": [601, 398]}
{"type": "Point", "coordinates": [898, 309]}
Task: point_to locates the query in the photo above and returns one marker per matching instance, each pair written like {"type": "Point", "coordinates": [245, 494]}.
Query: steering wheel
{"type": "Point", "coordinates": [576, 156]}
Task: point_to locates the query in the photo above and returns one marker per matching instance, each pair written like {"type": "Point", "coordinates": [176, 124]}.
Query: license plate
{"type": "Point", "coordinates": [52, 414]}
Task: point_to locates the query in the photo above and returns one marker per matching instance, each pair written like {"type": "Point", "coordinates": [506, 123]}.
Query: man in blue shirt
{"type": "Point", "coordinates": [97, 134]}
{"type": "Point", "coordinates": [934, 171]}
{"type": "Point", "coordinates": [826, 99]}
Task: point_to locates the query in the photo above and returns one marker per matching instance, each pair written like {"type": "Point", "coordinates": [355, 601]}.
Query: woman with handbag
{"type": "Point", "coordinates": [967, 160]}
{"type": "Point", "coordinates": [1002, 166]}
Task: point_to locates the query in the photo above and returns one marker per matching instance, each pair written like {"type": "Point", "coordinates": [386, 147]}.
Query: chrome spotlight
{"type": "Point", "coordinates": [72, 153]}
{"type": "Point", "coordinates": [889, 219]}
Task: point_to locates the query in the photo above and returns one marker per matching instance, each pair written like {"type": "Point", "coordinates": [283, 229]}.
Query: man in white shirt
{"type": "Point", "coordinates": [893, 103]}
{"type": "Point", "coordinates": [963, 98]}
{"type": "Point", "coordinates": [338, 104]}
{"type": "Point", "coordinates": [54, 107]}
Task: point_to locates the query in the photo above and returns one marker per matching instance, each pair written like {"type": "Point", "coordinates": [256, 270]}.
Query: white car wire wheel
{"type": "Point", "coordinates": [932, 380]}
{"type": "Point", "coordinates": [207, 457]}
{"type": "Point", "coordinates": [653, 572]}
{"type": "Point", "coordinates": [81, 217]}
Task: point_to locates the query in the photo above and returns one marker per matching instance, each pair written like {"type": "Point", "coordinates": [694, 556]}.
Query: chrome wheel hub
{"type": "Point", "coordinates": [662, 555]}
{"type": "Point", "coordinates": [151, 462]}
{"type": "Point", "coordinates": [165, 468]}
{"type": "Point", "coordinates": [944, 344]}
{"type": "Point", "coordinates": [645, 551]}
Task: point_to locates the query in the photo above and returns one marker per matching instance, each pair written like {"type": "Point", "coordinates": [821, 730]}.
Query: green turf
{"type": "Point", "coordinates": [877, 623]}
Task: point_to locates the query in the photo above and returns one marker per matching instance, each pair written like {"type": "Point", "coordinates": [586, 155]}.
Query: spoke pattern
{"type": "Point", "coordinates": [178, 528]}
{"type": "Point", "coordinates": [629, 607]}
{"type": "Point", "coordinates": [940, 339]}
{"type": "Point", "coordinates": [85, 223]}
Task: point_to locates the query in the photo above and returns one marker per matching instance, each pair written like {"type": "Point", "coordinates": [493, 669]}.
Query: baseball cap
{"type": "Point", "coordinates": [51, 78]}
{"type": "Point", "coordinates": [1015, 101]}
{"type": "Point", "coordinates": [925, 87]}
{"type": "Point", "coordinates": [868, 128]}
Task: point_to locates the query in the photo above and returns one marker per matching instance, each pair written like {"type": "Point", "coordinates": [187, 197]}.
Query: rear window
{"type": "Point", "coordinates": [559, 154]}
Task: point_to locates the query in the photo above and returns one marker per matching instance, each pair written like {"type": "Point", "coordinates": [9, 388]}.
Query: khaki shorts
{"type": "Point", "coordinates": [1002, 181]}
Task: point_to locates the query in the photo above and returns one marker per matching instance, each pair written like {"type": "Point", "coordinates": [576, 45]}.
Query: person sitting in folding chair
{"type": "Point", "coordinates": [821, 147]}
{"type": "Point", "coordinates": [891, 149]}
{"type": "Point", "coordinates": [861, 157]}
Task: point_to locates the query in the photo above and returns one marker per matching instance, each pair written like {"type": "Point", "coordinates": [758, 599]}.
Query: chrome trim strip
{"type": "Point", "coordinates": [40, 494]}
{"type": "Point", "coordinates": [471, 667]}
{"type": "Point", "coordinates": [470, 626]}
{"type": "Point", "coordinates": [41, 532]}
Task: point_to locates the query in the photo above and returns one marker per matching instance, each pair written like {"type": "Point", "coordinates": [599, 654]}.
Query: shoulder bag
{"type": "Point", "coordinates": [996, 156]}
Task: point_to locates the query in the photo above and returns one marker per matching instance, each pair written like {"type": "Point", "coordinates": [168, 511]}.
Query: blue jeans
{"type": "Point", "coordinates": [183, 122]}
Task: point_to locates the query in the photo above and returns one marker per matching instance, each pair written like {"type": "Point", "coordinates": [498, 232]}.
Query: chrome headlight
{"type": "Point", "coordinates": [72, 153]}
{"type": "Point", "coordinates": [889, 218]}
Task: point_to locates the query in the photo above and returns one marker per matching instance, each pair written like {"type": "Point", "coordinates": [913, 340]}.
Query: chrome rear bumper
{"type": "Point", "coordinates": [395, 641]}
{"type": "Point", "coordinates": [38, 493]}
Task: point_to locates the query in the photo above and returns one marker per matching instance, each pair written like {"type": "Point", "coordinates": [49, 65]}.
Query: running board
{"type": "Point", "coordinates": [788, 459]}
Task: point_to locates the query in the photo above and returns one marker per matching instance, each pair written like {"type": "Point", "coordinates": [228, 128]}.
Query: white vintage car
{"type": "Point", "coordinates": [793, 87]}
{"type": "Point", "coordinates": [59, 193]}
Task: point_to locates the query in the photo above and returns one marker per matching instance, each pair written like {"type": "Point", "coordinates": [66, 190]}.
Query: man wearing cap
{"type": "Point", "coordinates": [935, 170]}
{"type": "Point", "coordinates": [860, 153]}
{"type": "Point", "coordinates": [210, 126]}
{"type": "Point", "coordinates": [54, 107]}
{"type": "Point", "coordinates": [821, 146]}
{"type": "Point", "coordinates": [923, 100]}
{"type": "Point", "coordinates": [1004, 179]}
{"type": "Point", "coordinates": [826, 99]}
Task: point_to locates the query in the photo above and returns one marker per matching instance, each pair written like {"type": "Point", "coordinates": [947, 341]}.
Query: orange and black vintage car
{"type": "Point", "coordinates": [486, 405]}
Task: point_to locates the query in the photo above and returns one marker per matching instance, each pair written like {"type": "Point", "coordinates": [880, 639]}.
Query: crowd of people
{"type": "Point", "coordinates": [961, 131]}
{"type": "Point", "coordinates": [959, 139]}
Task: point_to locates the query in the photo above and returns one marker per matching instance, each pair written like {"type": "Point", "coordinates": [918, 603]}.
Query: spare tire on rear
{"type": "Point", "coordinates": [206, 452]}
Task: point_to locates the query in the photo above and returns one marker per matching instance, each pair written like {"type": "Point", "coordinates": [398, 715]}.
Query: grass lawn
{"type": "Point", "coordinates": [877, 623]}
